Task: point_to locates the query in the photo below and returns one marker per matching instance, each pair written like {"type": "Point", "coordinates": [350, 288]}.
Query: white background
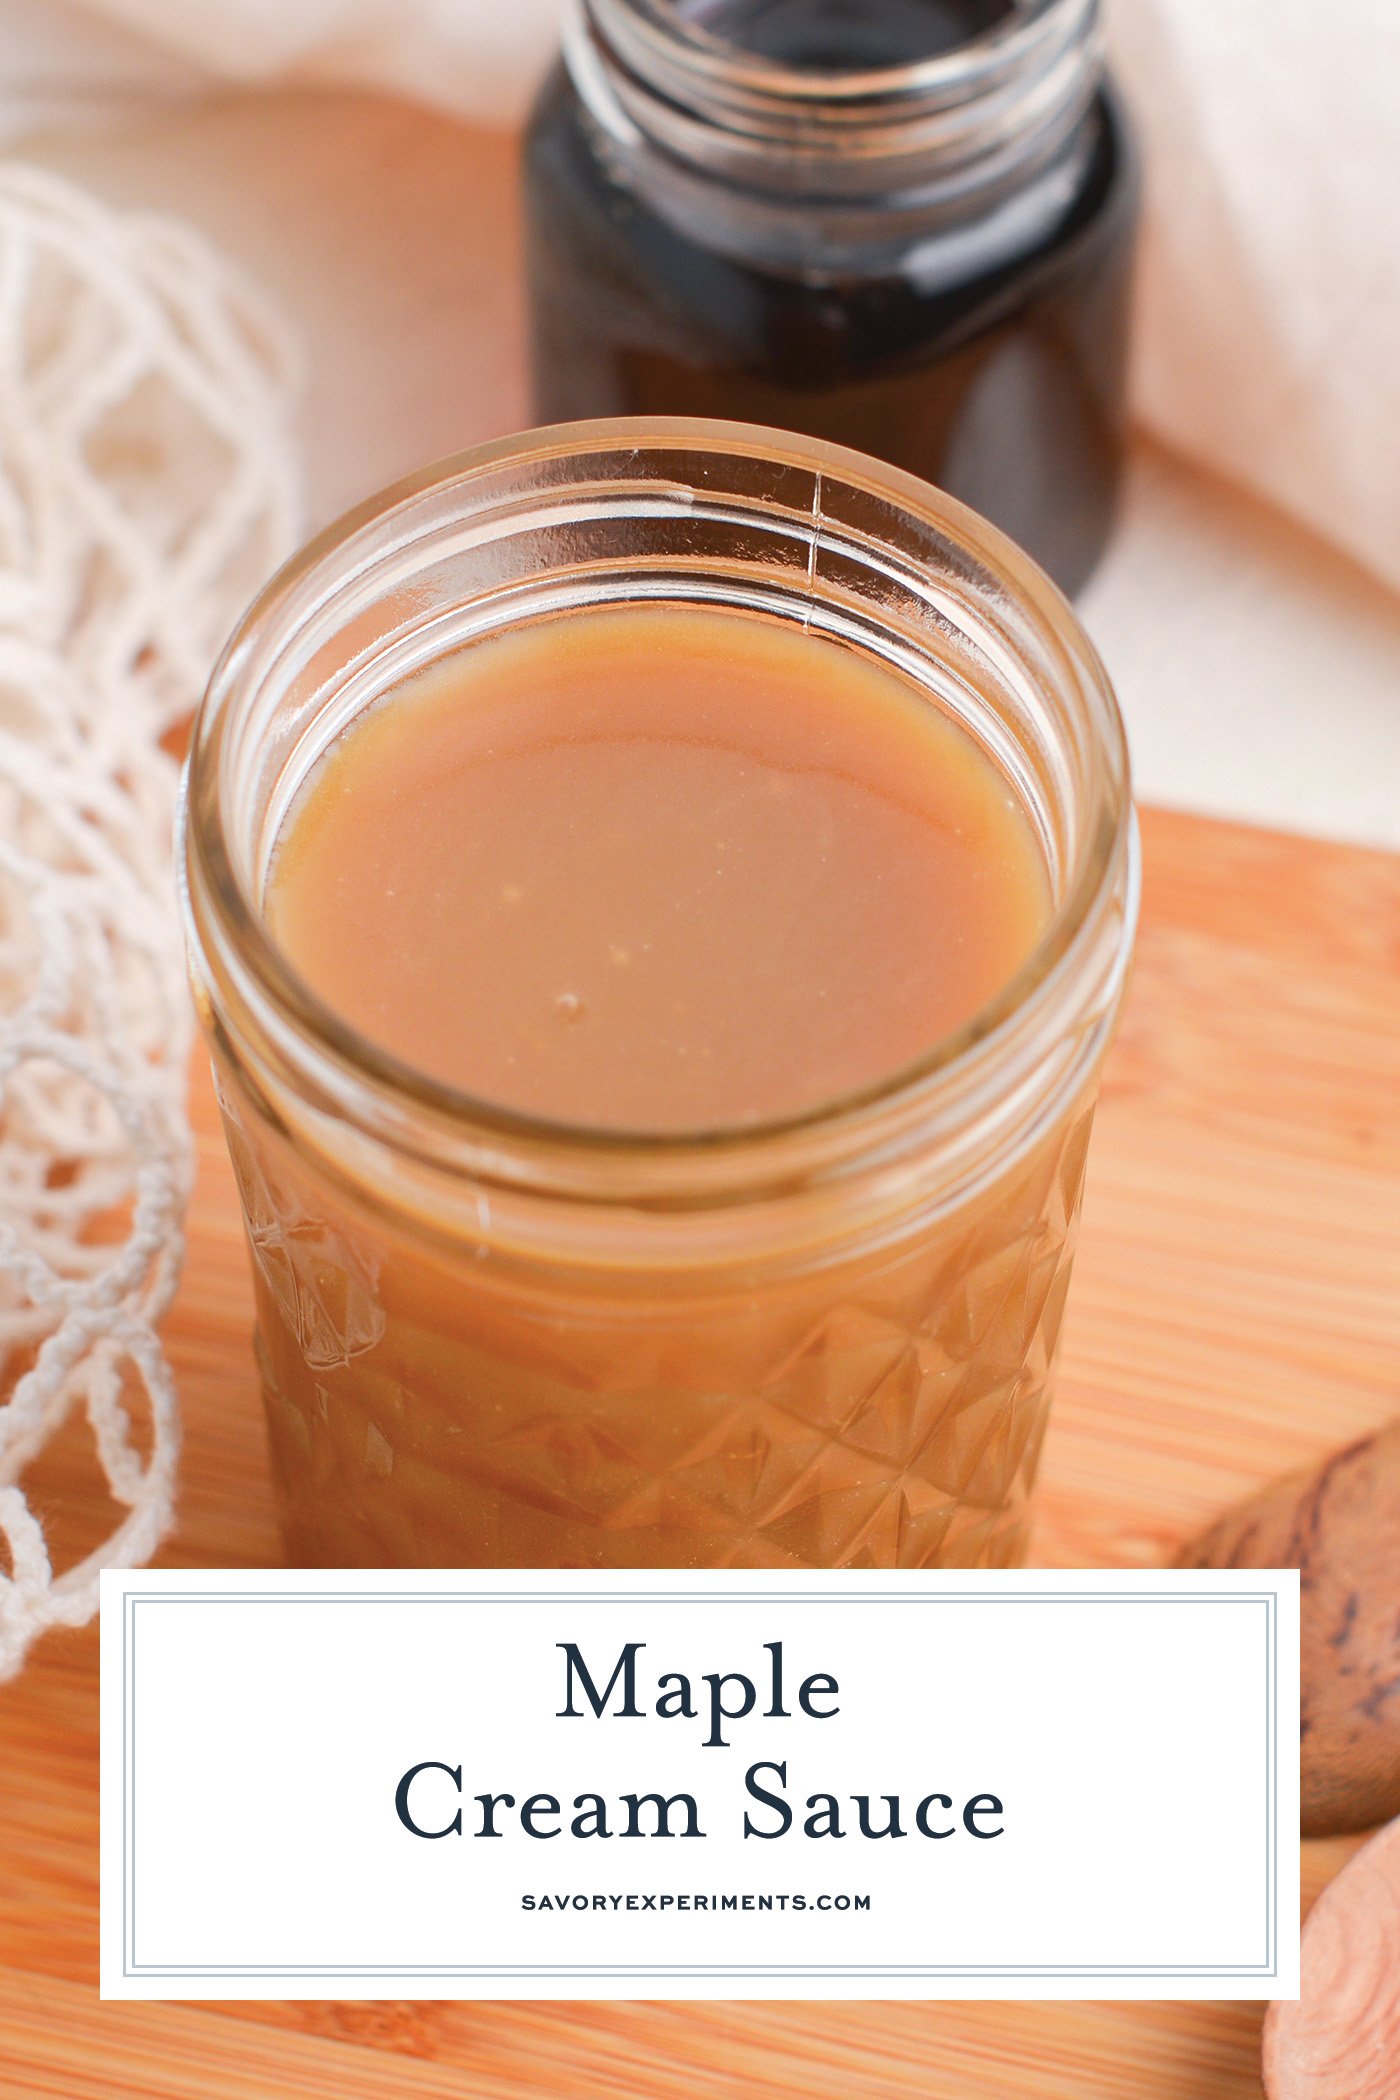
{"type": "Point", "coordinates": [1123, 1720]}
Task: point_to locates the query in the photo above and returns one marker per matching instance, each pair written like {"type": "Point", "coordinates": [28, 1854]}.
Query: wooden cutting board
{"type": "Point", "coordinates": [1236, 1310]}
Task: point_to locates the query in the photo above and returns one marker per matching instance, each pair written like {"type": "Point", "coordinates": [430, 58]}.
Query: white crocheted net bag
{"type": "Point", "coordinates": [147, 487]}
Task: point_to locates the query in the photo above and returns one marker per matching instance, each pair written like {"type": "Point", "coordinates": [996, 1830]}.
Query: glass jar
{"type": "Point", "coordinates": [817, 217]}
{"type": "Point", "coordinates": [486, 1339]}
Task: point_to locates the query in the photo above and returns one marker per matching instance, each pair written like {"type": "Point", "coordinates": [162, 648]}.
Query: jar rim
{"type": "Point", "coordinates": [211, 883]}
{"type": "Point", "coordinates": [952, 130]}
{"type": "Point", "coordinates": [654, 29]}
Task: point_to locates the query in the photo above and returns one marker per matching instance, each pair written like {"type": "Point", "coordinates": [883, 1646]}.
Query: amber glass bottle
{"type": "Point", "coordinates": [902, 225]}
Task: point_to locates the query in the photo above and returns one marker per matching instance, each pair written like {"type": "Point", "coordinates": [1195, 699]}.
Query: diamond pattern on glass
{"type": "Point", "coordinates": [891, 1420]}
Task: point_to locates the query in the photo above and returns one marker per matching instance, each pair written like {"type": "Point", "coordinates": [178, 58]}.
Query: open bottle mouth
{"type": "Point", "coordinates": [615, 513]}
{"type": "Point", "coordinates": [720, 85]}
{"type": "Point", "coordinates": [838, 38]}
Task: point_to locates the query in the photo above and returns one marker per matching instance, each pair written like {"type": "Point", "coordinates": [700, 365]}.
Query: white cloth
{"type": "Point", "coordinates": [476, 58]}
{"type": "Point", "coordinates": [1269, 336]}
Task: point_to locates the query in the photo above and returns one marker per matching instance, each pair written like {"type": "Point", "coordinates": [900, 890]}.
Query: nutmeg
{"type": "Point", "coordinates": [1341, 2039]}
{"type": "Point", "coordinates": [1339, 1523]}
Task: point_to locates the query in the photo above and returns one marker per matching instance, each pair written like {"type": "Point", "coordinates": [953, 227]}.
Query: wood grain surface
{"type": "Point", "coordinates": [1236, 1310]}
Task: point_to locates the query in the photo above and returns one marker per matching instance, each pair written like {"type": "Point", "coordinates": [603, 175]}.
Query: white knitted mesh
{"type": "Point", "coordinates": [147, 487]}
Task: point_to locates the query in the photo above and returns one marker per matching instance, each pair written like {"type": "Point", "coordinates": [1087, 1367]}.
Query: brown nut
{"type": "Point", "coordinates": [1341, 2039]}
{"type": "Point", "coordinates": [1339, 1524]}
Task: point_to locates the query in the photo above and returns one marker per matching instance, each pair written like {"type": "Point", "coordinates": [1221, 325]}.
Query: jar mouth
{"type": "Point", "coordinates": [676, 48]}
{"type": "Point", "coordinates": [231, 941]}
{"type": "Point", "coordinates": [949, 132]}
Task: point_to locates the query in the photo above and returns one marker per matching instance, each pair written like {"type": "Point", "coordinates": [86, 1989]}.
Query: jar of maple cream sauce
{"type": "Point", "coordinates": [659, 894]}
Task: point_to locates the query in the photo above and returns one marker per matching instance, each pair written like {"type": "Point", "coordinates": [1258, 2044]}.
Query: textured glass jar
{"type": "Point", "coordinates": [783, 211]}
{"type": "Point", "coordinates": [486, 1339]}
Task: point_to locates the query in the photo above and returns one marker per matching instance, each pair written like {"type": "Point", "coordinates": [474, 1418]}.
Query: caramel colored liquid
{"type": "Point", "coordinates": [658, 869]}
{"type": "Point", "coordinates": [661, 869]}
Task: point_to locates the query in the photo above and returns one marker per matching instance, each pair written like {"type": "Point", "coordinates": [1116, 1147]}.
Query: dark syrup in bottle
{"type": "Point", "coordinates": [1005, 386]}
